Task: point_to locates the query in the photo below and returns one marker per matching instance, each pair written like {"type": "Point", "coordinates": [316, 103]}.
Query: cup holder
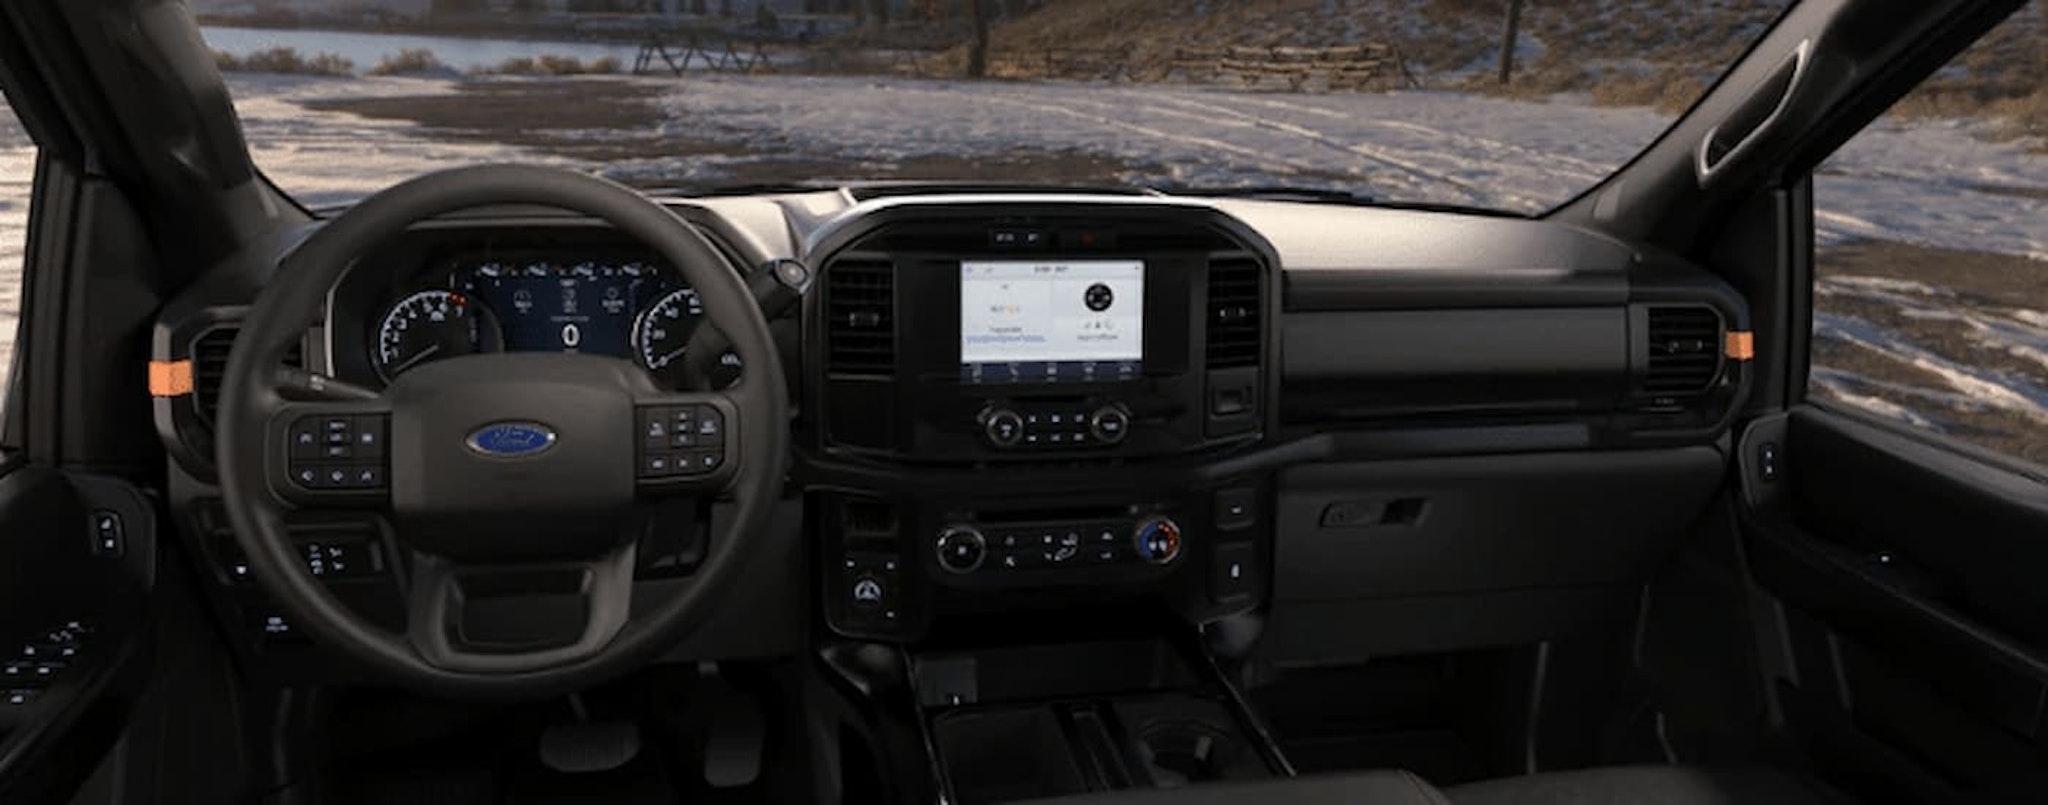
{"type": "Point", "coordinates": [1182, 753]}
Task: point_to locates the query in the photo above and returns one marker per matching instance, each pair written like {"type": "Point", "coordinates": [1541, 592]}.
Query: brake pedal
{"type": "Point", "coordinates": [733, 744]}
{"type": "Point", "coordinates": [587, 748]}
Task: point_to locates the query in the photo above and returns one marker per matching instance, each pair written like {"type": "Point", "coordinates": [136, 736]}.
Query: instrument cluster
{"type": "Point", "coordinates": [639, 310]}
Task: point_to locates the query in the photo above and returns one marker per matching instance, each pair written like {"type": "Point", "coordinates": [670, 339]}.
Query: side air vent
{"type": "Point", "coordinates": [1684, 351]}
{"type": "Point", "coordinates": [860, 309]}
{"type": "Point", "coordinates": [864, 517]}
{"type": "Point", "coordinates": [210, 364]}
{"type": "Point", "coordinates": [1234, 312]}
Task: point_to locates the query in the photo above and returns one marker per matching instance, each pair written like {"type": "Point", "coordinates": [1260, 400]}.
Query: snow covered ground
{"type": "Point", "coordinates": [1929, 183]}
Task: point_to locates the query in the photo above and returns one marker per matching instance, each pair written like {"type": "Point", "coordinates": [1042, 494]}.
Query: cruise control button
{"type": "Point", "coordinates": [654, 430]}
{"type": "Point", "coordinates": [18, 697]}
{"type": "Point", "coordinates": [336, 477]}
{"type": "Point", "coordinates": [707, 462]}
{"type": "Point", "coordinates": [305, 439]}
{"type": "Point", "coordinates": [306, 476]}
{"type": "Point", "coordinates": [369, 437]}
{"type": "Point", "coordinates": [367, 477]}
{"type": "Point", "coordinates": [710, 425]}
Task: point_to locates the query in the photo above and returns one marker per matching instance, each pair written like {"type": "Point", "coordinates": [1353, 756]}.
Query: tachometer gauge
{"type": "Point", "coordinates": [663, 333]}
{"type": "Point", "coordinates": [432, 325]}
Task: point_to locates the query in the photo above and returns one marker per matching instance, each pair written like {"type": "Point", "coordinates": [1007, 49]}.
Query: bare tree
{"type": "Point", "coordinates": [1510, 32]}
{"type": "Point", "coordinates": [977, 51]}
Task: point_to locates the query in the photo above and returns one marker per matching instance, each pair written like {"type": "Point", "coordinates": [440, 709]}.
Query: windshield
{"type": "Point", "coordinates": [1387, 100]}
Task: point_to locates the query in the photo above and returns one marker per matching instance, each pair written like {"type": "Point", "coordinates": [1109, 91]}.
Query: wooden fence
{"type": "Point", "coordinates": [1355, 67]}
{"type": "Point", "coordinates": [1351, 68]}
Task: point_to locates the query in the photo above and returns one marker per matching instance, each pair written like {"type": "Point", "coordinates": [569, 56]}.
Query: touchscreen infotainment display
{"type": "Point", "coordinates": [1051, 321]}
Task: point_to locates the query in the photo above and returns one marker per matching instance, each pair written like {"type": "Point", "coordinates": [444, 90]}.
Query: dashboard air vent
{"type": "Point", "coordinates": [860, 309]}
{"type": "Point", "coordinates": [1684, 351]}
{"type": "Point", "coordinates": [210, 364]}
{"type": "Point", "coordinates": [1234, 312]}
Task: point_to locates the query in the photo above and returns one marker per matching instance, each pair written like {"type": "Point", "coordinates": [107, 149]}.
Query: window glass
{"type": "Point", "coordinates": [1931, 287]}
{"type": "Point", "coordinates": [1395, 101]}
{"type": "Point", "coordinates": [17, 172]}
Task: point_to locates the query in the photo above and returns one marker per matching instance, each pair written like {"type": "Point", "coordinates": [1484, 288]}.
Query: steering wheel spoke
{"type": "Point", "coordinates": [331, 454]}
{"type": "Point", "coordinates": [524, 617]}
{"type": "Point", "coordinates": [684, 443]}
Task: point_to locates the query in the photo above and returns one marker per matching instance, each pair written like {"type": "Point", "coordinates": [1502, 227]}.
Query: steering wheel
{"type": "Point", "coordinates": [516, 483]}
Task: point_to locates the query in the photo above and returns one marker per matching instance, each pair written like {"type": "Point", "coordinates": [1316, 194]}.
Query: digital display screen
{"type": "Point", "coordinates": [1051, 321]}
{"type": "Point", "coordinates": [549, 307]}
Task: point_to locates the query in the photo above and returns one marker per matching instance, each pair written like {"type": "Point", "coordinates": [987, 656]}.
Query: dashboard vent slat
{"type": "Point", "coordinates": [860, 310]}
{"type": "Point", "coordinates": [210, 364]}
{"type": "Point", "coordinates": [1234, 312]}
{"type": "Point", "coordinates": [1684, 357]}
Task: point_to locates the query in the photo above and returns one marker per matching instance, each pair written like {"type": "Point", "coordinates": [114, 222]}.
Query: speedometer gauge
{"type": "Point", "coordinates": [432, 325]}
{"type": "Point", "coordinates": [663, 333]}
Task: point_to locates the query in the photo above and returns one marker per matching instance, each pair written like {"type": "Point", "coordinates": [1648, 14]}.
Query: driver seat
{"type": "Point", "coordinates": [1623, 785]}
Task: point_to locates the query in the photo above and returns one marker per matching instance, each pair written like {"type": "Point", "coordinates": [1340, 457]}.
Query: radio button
{"type": "Point", "coordinates": [1003, 427]}
{"type": "Point", "coordinates": [1110, 424]}
{"type": "Point", "coordinates": [961, 549]}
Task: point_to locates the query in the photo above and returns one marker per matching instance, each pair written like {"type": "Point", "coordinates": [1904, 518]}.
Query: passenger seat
{"type": "Point", "coordinates": [1626, 785]}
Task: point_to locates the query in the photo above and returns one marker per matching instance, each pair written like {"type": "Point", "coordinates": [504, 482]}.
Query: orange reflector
{"type": "Point", "coordinates": [1741, 345]}
{"type": "Point", "coordinates": [170, 378]}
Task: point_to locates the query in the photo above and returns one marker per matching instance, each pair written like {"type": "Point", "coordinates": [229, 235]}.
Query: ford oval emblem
{"type": "Point", "coordinates": [512, 439]}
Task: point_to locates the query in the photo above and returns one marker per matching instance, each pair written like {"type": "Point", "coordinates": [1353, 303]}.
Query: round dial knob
{"type": "Point", "coordinates": [961, 549]}
{"type": "Point", "coordinates": [1003, 427]}
{"type": "Point", "coordinates": [1157, 540]}
{"type": "Point", "coordinates": [1110, 424]}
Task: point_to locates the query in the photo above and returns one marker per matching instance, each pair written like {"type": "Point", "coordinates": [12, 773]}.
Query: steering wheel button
{"type": "Point", "coordinates": [369, 437]}
{"type": "Point", "coordinates": [308, 477]}
{"type": "Point", "coordinates": [682, 438]}
{"type": "Point", "coordinates": [656, 465]}
{"type": "Point", "coordinates": [368, 478]}
{"type": "Point", "coordinates": [340, 451]}
{"type": "Point", "coordinates": [707, 462]}
{"type": "Point", "coordinates": [711, 425]}
{"type": "Point", "coordinates": [336, 477]}
{"type": "Point", "coordinates": [306, 440]}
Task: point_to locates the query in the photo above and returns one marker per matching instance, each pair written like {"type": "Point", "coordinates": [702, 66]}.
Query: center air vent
{"type": "Point", "coordinates": [860, 310]}
{"type": "Point", "coordinates": [210, 364]}
{"type": "Point", "coordinates": [1234, 308]}
{"type": "Point", "coordinates": [1685, 346]}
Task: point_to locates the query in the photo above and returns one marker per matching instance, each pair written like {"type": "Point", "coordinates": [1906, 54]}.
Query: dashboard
{"type": "Point", "coordinates": [1322, 416]}
{"type": "Point", "coordinates": [456, 294]}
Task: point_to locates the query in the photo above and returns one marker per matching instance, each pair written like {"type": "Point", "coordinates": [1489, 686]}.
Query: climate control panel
{"type": "Point", "coordinates": [1011, 426]}
{"type": "Point", "coordinates": [964, 549]}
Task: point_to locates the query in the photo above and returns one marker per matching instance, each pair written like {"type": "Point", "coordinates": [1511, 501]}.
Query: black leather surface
{"type": "Point", "coordinates": [1371, 788]}
{"type": "Point", "coordinates": [1648, 785]}
{"type": "Point", "coordinates": [1630, 785]}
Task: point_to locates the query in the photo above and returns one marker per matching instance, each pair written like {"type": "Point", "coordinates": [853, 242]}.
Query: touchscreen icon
{"type": "Point", "coordinates": [1099, 297]}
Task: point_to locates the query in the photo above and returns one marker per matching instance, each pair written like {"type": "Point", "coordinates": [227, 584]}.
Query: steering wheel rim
{"type": "Point", "coordinates": [250, 449]}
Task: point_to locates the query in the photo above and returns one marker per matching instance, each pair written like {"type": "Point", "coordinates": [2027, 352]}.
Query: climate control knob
{"type": "Point", "coordinates": [1003, 427]}
{"type": "Point", "coordinates": [1110, 424]}
{"type": "Point", "coordinates": [961, 549]}
{"type": "Point", "coordinates": [1157, 540]}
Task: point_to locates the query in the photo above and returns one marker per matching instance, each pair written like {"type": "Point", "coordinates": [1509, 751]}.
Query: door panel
{"type": "Point", "coordinates": [1905, 579]}
{"type": "Point", "coordinates": [76, 560]}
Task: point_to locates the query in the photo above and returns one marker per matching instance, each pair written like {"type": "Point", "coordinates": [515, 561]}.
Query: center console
{"type": "Point", "coordinates": [1022, 407]}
